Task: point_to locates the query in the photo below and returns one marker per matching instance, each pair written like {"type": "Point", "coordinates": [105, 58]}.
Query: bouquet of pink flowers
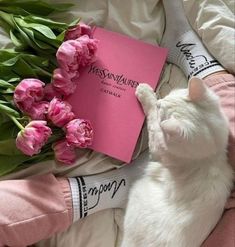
{"type": "Point", "coordinates": [36, 123]}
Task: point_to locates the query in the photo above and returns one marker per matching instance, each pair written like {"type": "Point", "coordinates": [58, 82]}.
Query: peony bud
{"type": "Point", "coordinates": [27, 92]}
{"type": "Point", "coordinates": [77, 31]}
{"type": "Point", "coordinates": [89, 48]}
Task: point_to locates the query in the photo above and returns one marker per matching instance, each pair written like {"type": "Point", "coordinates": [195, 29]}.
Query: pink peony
{"type": "Point", "coordinates": [27, 92]}
{"type": "Point", "coordinates": [38, 110]}
{"type": "Point", "coordinates": [50, 92]}
{"type": "Point", "coordinates": [79, 133]}
{"type": "Point", "coordinates": [75, 53]}
{"type": "Point", "coordinates": [89, 48]}
{"type": "Point", "coordinates": [60, 112]}
{"type": "Point", "coordinates": [33, 137]}
{"type": "Point", "coordinates": [64, 153]}
{"type": "Point", "coordinates": [77, 31]}
{"type": "Point", "coordinates": [62, 82]}
{"type": "Point", "coordinates": [68, 56]}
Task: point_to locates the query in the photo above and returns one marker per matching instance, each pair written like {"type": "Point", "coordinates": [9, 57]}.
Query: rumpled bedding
{"type": "Point", "coordinates": [144, 20]}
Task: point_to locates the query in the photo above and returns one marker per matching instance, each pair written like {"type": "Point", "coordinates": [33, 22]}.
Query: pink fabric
{"type": "Point", "coordinates": [224, 233]}
{"type": "Point", "coordinates": [224, 87]}
{"type": "Point", "coordinates": [33, 209]}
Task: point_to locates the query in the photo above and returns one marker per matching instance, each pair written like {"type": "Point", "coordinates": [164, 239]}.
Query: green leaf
{"type": "Point", "coordinates": [55, 43]}
{"type": "Point", "coordinates": [6, 91]}
{"type": "Point", "coordinates": [3, 118]}
{"type": "Point", "coordinates": [9, 163]}
{"type": "Point", "coordinates": [5, 84]}
{"type": "Point", "coordinates": [7, 18]}
{"type": "Point", "coordinates": [7, 98]}
{"type": "Point", "coordinates": [14, 80]}
{"type": "Point", "coordinates": [13, 10]}
{"type": "Point", "coordinates": [75, 22]}
{"type": "Point", "coordinates": [15, 66]}
{"type": "Point", "coordinates": [8, 147]}
{"type": "Point", "coordinates": [8, 130]}
{"type": "Point", "coordinates": [10, 62]}
{"type": "Point", "coordinates": [28, 37]}
{"type": "Point", "coordinates": [25, 38]}
{"type": "Point", "coordinates": [60, 37]}
{"type": "Point", "coordinates": [37, 44]}
{"type": "Point", "coordinates": [6, 54]}
{"type": "Point", "coordinates": [22, 66]}
{"type": "Point", "coordinates": [6, 73]}
{"type": "Point", "coordinates": [39, 158]}
{"type": "Point", "coordinates": [17, 41]}
{"type": "Point", "coordinates": [41, 72]}
{"type": "Point", "coordinates": [5, 26]}
{"type": "Point", "coordinates": [37, 7]}
{"type": "Point", "coordinates": [46, 31]}
{"type": "Point", "coordinates": [60, 26]}
{"type": "Point", "coordinates": [8, 110]}
{"type": "Point", "coordinates": [35, 60]}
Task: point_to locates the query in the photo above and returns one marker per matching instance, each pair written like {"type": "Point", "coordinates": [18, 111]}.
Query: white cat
{"type": "Point", "coordinates": [182, 194]}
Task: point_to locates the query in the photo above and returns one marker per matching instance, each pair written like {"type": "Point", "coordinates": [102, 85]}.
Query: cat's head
{"type": "Point", "coordinates": [190, 123]}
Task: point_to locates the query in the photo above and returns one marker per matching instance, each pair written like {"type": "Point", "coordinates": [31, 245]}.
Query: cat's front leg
{"type": "Point", "coordinates": [147, 98]}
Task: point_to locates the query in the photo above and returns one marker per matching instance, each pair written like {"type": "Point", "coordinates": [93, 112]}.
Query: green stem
{"type": "Point", "coordinates": [7, 91]}
{"type": "Point", "coordinates": [7, 18]}
{"type": "Point", "coordinates": [8, 110]}
{"type": "Point", "coordinates": [42, 71]}
{"type": "Point", "coordinates": [49, 154]}
{"type": "Point", "coordinates": [18, 124]}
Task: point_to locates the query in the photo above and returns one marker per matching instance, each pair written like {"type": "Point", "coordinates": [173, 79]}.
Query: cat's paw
{"type": "Point", "coordinates": [143, 91]}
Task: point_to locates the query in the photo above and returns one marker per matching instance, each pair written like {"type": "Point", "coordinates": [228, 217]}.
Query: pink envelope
{"type": "Point", "coordinates": [105, 94]}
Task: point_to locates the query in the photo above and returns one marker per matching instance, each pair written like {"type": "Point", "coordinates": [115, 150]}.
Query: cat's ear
{"type": "Point", "coordinates": [172, 127]}
{"type": "Point", "coordinates": [196, 89]}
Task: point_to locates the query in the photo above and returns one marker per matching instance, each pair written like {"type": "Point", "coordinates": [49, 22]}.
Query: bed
{"type": "Point", "coordinates": [144, 20]}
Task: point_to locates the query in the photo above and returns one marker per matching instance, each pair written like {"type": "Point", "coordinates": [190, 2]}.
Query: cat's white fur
{"type": "Point", "coordinates": [182, 194]}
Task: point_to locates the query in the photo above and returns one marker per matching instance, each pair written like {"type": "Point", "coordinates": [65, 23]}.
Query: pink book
{"type": "Point", "coordinates": [106, 91]}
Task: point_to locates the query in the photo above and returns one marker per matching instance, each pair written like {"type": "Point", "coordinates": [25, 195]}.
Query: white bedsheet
{"type": "Point", "coordinates": [144, 20]}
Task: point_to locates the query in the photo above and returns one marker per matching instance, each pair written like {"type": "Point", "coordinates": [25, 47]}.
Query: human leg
{"type": "Point", "coordinates": [32, 209]}
{"type": "Point", "coordinates": [35, 208]}
{"type": "Point", "coordinates": [187, 52]}
{"type": "Point", "coordinates": [224, 86]}
{"type": "Point", "coordinates": [107, 190]}
{"type": "Point", "coordinates": [185, 47]}
{"type": "Point", "coordinates": [223, 234]}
